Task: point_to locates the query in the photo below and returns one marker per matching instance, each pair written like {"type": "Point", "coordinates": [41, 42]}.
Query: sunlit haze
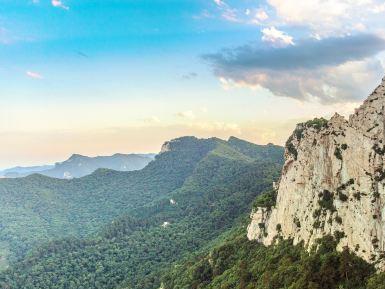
{"type": "Point", "coordinates": [101, 77]}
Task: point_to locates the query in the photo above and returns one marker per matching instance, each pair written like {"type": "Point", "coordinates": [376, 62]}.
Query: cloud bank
{"type": "Point", "coordinates": [276, 37]}
{"type": "Point", "coordinates": [327, 17]}
{"type": "Point", "coordinates": [329, 70]}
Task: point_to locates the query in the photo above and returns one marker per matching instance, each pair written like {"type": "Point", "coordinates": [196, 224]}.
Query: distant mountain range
{"type": "Point", "coordinates": [79, 166]}
{"type": "Point", "coordinates": [24, 171]}
{"type": "Point", "coordinates": [114, 229]}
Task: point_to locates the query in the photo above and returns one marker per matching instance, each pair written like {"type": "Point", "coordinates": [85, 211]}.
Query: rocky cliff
{"type": "Point", "coordinates": [333, 182]}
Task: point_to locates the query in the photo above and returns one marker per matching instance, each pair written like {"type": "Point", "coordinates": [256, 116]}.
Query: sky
{"type": "Point", "coordinates": [97, 77]}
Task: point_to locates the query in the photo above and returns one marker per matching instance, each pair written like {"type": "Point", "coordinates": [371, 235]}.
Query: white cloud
{"type": "Point", "coordinates": [189, 114]}
{"type": "Point", "coordinates": [59, 4]}
{"type": "Point", "coordinates": [261, 15]}
{"type": "Point", "coordinates": [309, 11]}
{"type": "Point", "coordinates": [227, 12]}
{"type": "Point", "coordinates": [360, 27]}
{"type": "Point", "coordinates": [152, 119]}
{"type": "Point", "coordinates": [34, 75]}
{"type": "Point", "coordinates": [322, 17]}
{"type": "Point", "coordinates": [349, 81]}
{"type": "Point", "coordinates": [219, 2]}
{"type": "Point", "coordinates": [230, 15]}
{"type": "Point", "coordinates": [276, 37]}
{"type": "Point", "coordinates": [331, 70]}
{"type": "Point", "coordinates": [379, 8]}
{"type": "Point", "coordinates": [258, 16]}
{"type": "Point", "coordinates": [329, 17]}
{"type": "Point", "coordinates": [205, 14]}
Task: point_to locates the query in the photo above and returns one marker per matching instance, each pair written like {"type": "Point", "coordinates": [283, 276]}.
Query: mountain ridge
{"type": "Point", "coordinates": [78, 165]}
{"type": "Point", "coordinates": [192, 192]}
{"type": "Point", "coordinates": [332, 183]}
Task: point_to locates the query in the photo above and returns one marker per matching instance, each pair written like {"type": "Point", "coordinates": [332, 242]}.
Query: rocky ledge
{"type": "Point", "coordinates": [332, 183]}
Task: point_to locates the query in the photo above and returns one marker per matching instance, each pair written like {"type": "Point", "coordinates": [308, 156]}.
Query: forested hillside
{"type": "Point", "coordinates": [38, 208]}
{"type": "Point", "coordinates": [193, 192]}
{"type": "Point", "coordinates": [238, 263]}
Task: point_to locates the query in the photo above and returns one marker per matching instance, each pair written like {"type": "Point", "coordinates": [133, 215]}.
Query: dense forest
{"type": "Point", "coordinates": [38, 208]}
{"type": "Point", "coordinates": [180, 223]}
{"type": "Point", "coordinates": [124, 230]}
{"type": "Point", "coordinates": [237, 263]}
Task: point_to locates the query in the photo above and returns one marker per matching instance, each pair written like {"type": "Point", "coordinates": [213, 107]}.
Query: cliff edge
{"type": "Point", "coordinates": [332, 183]}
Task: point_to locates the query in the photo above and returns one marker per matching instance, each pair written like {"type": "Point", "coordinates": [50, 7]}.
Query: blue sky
{"type": "Point", "coordinates": [99, 77]}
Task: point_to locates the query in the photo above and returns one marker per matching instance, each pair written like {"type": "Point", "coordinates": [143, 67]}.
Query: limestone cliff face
{"type": "Point", "coordinates": [333, 182]}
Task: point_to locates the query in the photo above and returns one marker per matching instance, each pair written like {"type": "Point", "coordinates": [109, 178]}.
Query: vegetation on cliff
{"type": "Point", "coordinates": [236, 262]}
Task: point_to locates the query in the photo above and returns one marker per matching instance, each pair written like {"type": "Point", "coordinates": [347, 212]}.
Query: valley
{"type": "Point", "coordinates": [212, 182]}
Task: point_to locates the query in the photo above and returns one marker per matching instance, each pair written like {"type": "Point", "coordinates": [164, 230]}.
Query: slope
{"type": "Point", "coordinates": [238, 263]}
{"type": "Point", "coordinates": [132, 251]}
{"type": "Point", "coordinates": [38, 208]}
{"type": "Point", "coordinates": [333, 182]}
{"type": "Point", "coordinates": [323, 225]}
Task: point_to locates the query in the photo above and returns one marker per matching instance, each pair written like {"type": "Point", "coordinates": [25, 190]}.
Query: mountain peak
{"type": "Point", "coordinates": [233, 138]}
{"type": "Point", "coordinates": [186, 142]}
{"type": "Point", "coordinates": [337, 119]}
{"type": "Point", "coordinates": [332, 183]}
{"type": "Point", "coordinates": [76, 156]}
{"type": "Point", "coordinates": [171, 144]}
{"type": "Point", "coordinates": [369, 117]}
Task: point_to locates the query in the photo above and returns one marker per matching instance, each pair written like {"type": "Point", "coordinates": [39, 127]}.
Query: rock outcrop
{"type": "Point", "coordinates": [333, 182]}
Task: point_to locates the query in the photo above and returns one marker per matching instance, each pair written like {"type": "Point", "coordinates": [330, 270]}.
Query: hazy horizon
{"type": "Point", "coordinates": [100, 77]}
{"type": "Point", "coordinates": [53, 162]}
